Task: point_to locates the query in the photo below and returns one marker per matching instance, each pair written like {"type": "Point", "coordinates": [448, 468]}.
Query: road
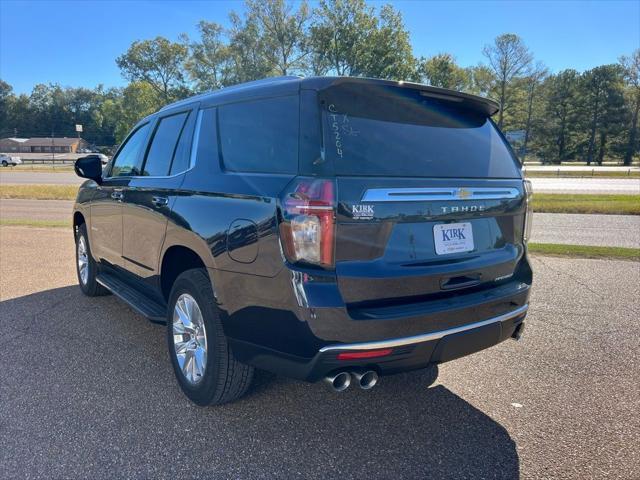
{"type": "Point", "coordinates": [586, 185]}
{"type": "Point", "coordinates": [575, 229]}
{"type": "Point", "coordinates": [45, 178]}
{"type": "Point", "coordinates": [86, 391]}
{"type": "Point", "coordinates": [542, 185]}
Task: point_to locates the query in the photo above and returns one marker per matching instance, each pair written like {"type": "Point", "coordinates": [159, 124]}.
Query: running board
{"type": "Point", "coordinates": [142, 304]}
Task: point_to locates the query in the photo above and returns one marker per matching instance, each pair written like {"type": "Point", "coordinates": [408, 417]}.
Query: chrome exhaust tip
{"type": "Point", "coordinates": [339, 381]}
{"type": "Point", "coordinates": [366, 379]}
{"type": "Point", "coordinates": [517, 333]}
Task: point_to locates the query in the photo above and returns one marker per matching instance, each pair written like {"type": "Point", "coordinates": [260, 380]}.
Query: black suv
{"type": "Point", "coordinates": [319, 228]}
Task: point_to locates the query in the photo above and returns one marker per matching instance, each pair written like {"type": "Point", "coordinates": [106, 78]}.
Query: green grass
{"type": "Point", "coordinates": [27, 222]}
{"type": "Point", "coordinates": [584, 251]}
{"type": "Point", "coordinates": [39, 192]}
{"type": "Point", "coordinates": [581, 203]}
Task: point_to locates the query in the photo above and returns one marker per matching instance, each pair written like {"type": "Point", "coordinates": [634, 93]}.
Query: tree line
{"type": "Point", "coordinates": [565, 116]}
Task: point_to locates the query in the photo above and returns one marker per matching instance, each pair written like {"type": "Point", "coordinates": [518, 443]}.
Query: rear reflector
{"type": "Point", "coordinates": [366, 354]}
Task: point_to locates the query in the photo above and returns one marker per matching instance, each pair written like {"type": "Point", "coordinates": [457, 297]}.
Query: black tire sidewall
{"type": "Point", "coordinates": [192, 283]}
{"type": "Point", "coordinates": [91, 286]}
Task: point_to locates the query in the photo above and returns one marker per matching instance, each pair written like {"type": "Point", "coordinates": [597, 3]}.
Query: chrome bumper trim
{"type": "Point", "coordinates": [425, 337]}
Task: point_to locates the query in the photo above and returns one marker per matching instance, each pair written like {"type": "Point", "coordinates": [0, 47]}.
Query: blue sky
{"type": "Point", "coordinates": [75, 43]}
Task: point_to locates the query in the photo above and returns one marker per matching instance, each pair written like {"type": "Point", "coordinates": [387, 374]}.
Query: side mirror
{"type": "Point", "coordinates": [89, 167]}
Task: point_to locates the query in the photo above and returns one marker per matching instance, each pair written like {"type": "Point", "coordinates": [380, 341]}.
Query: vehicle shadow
{"type": "Point", "coordinates": [100, 395]}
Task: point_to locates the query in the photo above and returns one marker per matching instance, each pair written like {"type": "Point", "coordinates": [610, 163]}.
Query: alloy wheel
{"type": "Point", "coordinates": [83, 260]}
{"type": "Point", "coordinates": [189, 338]}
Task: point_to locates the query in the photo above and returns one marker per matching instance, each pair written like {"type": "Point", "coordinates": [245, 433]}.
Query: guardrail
{"type": "Point", "coordinates": [45, 161]}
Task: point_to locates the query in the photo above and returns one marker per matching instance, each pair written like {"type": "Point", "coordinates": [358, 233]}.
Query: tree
{"type": "Point", "coordinates": [349, 38]}
{"type": "Point", "coordinates": [247, 50]}
{"type": "Point", "coordinates": [603, 100]}
{"type": "Point", "coordinates": [341, 35]}
{"type": "Point", "coordinates": [532, 81]}
{"type": "Point", "coordinates": [631, 66]}
{"type": "Point", "coordinates": [508, 58]}
{"type": "Point", "coordinates": [442, 71]}
{"type": "Point", "coordinates": [283, 31]}
{"type": "Point", "coordinates": [135, 102]}
{"type": "Point", "coordinates": [556, 140]}
{"type": "Point", "coordinates": [389, 54]}
{"type": "Point", "coordinates": [209, 62]}
{"type": "Point", "coordinates": [159, 63]}
{"type": "Point", "coordinates": [481, 80]}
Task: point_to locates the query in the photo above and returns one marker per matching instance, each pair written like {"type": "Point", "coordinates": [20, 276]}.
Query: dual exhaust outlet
{"type": "Point", "coordinates": [365, 379]}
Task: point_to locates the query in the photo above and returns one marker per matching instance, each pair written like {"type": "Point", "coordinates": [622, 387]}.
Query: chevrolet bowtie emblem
{"type": "Point", "coordinates": [463, 193]}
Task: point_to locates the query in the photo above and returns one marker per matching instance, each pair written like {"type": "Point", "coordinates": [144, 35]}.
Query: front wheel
{"type": "Point", "coordinates": [203, 363]}
{"type": "Point", "coordinates": [4, 163]}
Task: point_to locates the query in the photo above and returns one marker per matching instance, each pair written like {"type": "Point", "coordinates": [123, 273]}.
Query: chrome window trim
{"type": "Point", "coordinates": [192, 156]}
{"type": "Point", "coordinates": [195, 141]}
{"type": "Point", "coordinates": [438, 194]}
{"type": "Point", "coordinates": [426, 337]}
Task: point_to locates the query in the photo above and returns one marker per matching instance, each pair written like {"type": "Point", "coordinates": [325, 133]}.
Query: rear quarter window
{"type": "Point", "coordinates": [260, 135]}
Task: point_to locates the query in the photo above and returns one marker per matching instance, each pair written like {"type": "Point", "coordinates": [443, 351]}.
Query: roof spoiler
{"type": "Point", "coordinates": [484, 105]}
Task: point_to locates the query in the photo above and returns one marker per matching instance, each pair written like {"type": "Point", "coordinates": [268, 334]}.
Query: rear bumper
{"type": "Point", "coordinates": [408, 353]}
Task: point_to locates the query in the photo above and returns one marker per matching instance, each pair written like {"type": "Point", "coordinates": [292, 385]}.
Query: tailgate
{"type": "Point", "coordinates": [404, 238]}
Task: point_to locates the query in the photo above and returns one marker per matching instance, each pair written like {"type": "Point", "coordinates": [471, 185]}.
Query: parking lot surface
{"type": "Point", "coordinates": [86, 391]}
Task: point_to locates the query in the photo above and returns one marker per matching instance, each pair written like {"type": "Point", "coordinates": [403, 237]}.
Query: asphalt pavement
{"type": "Point", "coordinates": [87, 391]}
{"type": "Point", "coordinates": [577, 229]}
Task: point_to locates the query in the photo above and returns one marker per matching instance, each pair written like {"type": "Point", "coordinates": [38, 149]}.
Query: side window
{"type": "Point", "coordinates": [183, 149]}
{"type": "Point", "coordinates": [163, 145]}
{"type": "Point", "coordinates": [125, 164]}
{"type": "Point", "coordinates": [260, 135]}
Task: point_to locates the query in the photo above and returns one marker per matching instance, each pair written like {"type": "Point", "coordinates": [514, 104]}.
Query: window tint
{"type": "Point", "coordinates": [183, 149]}
{"type": "Point", "coordinates": [125, 164]}
{"type": "Point", "coordinates": [163, 145]}
{"type": "Point", "coordinates": [260, 136]}
{"type": "Point", "coordinates": [400, 132]}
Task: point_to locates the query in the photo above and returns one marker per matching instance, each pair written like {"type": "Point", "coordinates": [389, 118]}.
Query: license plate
{"type": "Point", "coordinates": [453, 238]}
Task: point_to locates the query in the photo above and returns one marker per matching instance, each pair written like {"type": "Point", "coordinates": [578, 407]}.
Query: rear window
{"type": "Point", "coordinates": [377, 130]}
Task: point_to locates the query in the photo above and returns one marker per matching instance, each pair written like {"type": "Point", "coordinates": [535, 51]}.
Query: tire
{"type": "Point", "coordinates": [4, 163]}
{"type": "Point", "coordinates": [223, 379]}
{"type": "Point", "coordinates": [87, 280]}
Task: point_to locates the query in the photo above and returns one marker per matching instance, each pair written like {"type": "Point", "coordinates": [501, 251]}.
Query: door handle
{"type": "Point", "coordinates": [160, 201]}
{"type": "Point", "coordinates": [117, 195]}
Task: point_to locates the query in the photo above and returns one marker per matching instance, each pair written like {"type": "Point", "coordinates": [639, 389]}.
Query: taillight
{"type": "Point", "coordinates": [307, 230]}
{"type": "Point", "coordinates": [528, 218]}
